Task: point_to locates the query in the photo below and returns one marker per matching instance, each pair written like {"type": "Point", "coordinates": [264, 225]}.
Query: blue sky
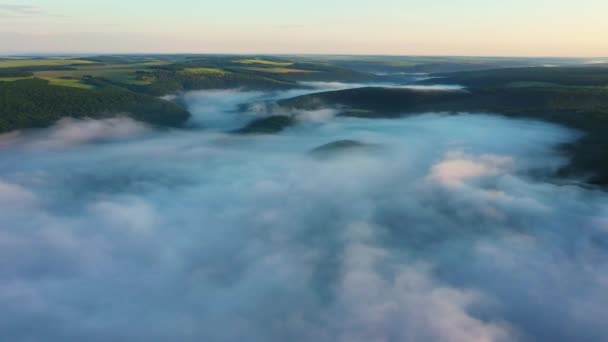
{"type": "Point", "coordinates": [433, 27]}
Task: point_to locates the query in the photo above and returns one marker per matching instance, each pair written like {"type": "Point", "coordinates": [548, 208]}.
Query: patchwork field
{"type": "Point", "coordinates": [58, 81]}
{"type": "Point", "coordinates": [263, 61]}
{"type": "Point", "coordinates": [163, 74]}
{"type": "Point", "coordinates": [10, 79]}
{"type": "Point", "coordinates": [75, 70]}
{"type": "Point", "coordinates": [30, 62]}
{"type": "Point", "coordinates": [208, 71]}
{"type": "Point", "coordinates": [278, 70]}
{"type": "Point", "coordinates": [68, 82]}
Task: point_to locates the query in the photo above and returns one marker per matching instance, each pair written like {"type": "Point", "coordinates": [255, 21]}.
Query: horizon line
{"type": "Point", "coordinates": [66, 54]}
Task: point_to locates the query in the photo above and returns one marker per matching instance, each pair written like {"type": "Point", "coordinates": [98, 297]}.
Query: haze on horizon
{"type": "Point", "coordinates": [388, 27]}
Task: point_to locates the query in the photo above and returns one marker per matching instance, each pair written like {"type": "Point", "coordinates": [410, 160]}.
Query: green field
{"type": "Point", "coordinates": [64, 82]}
{"type": "Point", "coordinates": [78, 73]}
{"type": "Point", "coordinates": [265, 62]}
{"type": "Point", "coordinates": [120, 73]}
{"type": "Point", "coordinates": [135, 65]}
{"type": "Point", "coordinates": [278, 70]}
{"type": "Point", "coordinates": [25, 62]}
{"type": "Point", "coordinates": [160, 75]}
{"type": "Point", "coordinates": [68, 82]}
{"type": "Point", "coordinates": [10, 79]}
{"type": "Point", "coordinates": [208, 71]}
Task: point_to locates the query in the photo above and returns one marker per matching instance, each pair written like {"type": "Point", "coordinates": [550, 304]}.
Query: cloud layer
{"type": "Point", "coordinates": [19, 9]}
{"type": "Point", "coordinates": [116, 232]}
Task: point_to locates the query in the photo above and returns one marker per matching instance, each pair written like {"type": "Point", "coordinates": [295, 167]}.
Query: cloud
{"type": "Point", "coordinates": [408, 306]}
{"type": "Point", "coordinates": [117, 232]}
{"type": "Point", "coordinates": [129, 214]}
{"type": "Point", "coordinates": [13, 195]}
{"type": "Point", "coordinates": [71, 132]}
{"type": "Point", "coordinates": [19, 9]}
{"type": "Point", "coordinates": [316, 116]}
{"type": "Point", "coordinates": [458, 168]}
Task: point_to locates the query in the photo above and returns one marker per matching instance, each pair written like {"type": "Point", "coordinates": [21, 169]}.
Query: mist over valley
{"type": "Point", "coordinates": [421, 227]}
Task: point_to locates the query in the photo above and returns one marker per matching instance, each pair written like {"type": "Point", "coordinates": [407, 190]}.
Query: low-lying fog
{"type": "Point", "coordinates": [446, 230]}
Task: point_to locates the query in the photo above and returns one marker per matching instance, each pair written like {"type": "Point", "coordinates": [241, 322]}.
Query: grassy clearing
{"type": "Point", "coordinates": [137, 82]}
{"type": "Point", "coordinates": [10, 79]}
{"type": "Point", "coordinates": [279, 70]}
{"type": "Point", "coordinates": [143, 65]}
{"type": "Point", "coordinates": [131, 79]}
{"type": "Point", "coordinates": [116, 75]}
{"type": "Point", "coordinates": [210, 71]}
{"type": "Point", "coordinates": [116, 72]}
{"type": "Point", "coordinates": [264, 62]}
{"type": "Point", "coordinates": [19, 63]}
{"type": "Point", "coordinates": [68, 82]}
{"type": "Point", "coordinates": [109, 73]}
{"type": "Point", "coordinates": [64, 82]}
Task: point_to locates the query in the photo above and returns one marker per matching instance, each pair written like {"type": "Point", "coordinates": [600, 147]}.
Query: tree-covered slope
{"type": "Point", "coordinates": [35, 103]}
{"type": "Point", "coordinates": [564, 102]}
{"type": "Point", "coordinates": [513, 77]}
{"type": "Point", "coordinates": [584, 108]}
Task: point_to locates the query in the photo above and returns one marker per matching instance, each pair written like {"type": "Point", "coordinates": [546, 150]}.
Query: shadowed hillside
{"type": "Point", "coordinates": [35, 103]}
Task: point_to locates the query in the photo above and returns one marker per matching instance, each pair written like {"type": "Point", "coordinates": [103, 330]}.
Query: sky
{"type": "Point", "coordinates": [389, 27]}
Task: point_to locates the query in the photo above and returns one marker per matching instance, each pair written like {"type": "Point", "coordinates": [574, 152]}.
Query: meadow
{"type": "Point", "coordinates": [30, 62]}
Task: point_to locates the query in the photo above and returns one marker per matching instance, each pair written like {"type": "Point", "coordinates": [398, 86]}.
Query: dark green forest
{"type": "Point", "coordinates": [574, 97]}
{"type": "Point", "coordinates": [34, 103]}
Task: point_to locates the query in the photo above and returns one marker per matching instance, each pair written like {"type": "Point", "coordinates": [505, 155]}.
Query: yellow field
{"type": "Point", "coordinates": [124, 73]}
{"type": "Point", "coordinates": [64, 82]}
{"type": "Point", "coordinates": [118, 75]}
{"type": "Point", "coordinates": [10, 79]}
{"type": "Point", "coordinates": [68, 83]}
{"type": "Point", "coordinates": [279, 70]}
{"type": "Point", "coordinates": [265, 62]}
{"type": "Point", "coordinates": [108, 73]}
{"type": "Point", "coordinates": [129, 79]}
{"type": "Point", "coordinates": [142, 65]}
{"type": "Point", "coordinates": [212, 71]}
{"type": "Point", "coordinates": [17, 62]}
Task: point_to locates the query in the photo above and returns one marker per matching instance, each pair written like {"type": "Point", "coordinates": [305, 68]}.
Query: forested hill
{"type": "Point", "coordinates": [587, 75]}
{"type": "Point", "coordinates": [35, 92]}
{"type": "Point", "coordinates": [36, 103]}
{"type": "Point", "coordinates": [577, 99]}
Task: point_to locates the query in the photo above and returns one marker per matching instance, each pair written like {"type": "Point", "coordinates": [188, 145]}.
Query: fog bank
{"type": "Point", "coordinates": [449, 230]}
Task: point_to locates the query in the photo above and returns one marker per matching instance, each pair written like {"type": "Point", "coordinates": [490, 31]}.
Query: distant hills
{"type": "Point", "coordinates": [36, 92]}
{"type": "Point", "coordinates": [573, 96]}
